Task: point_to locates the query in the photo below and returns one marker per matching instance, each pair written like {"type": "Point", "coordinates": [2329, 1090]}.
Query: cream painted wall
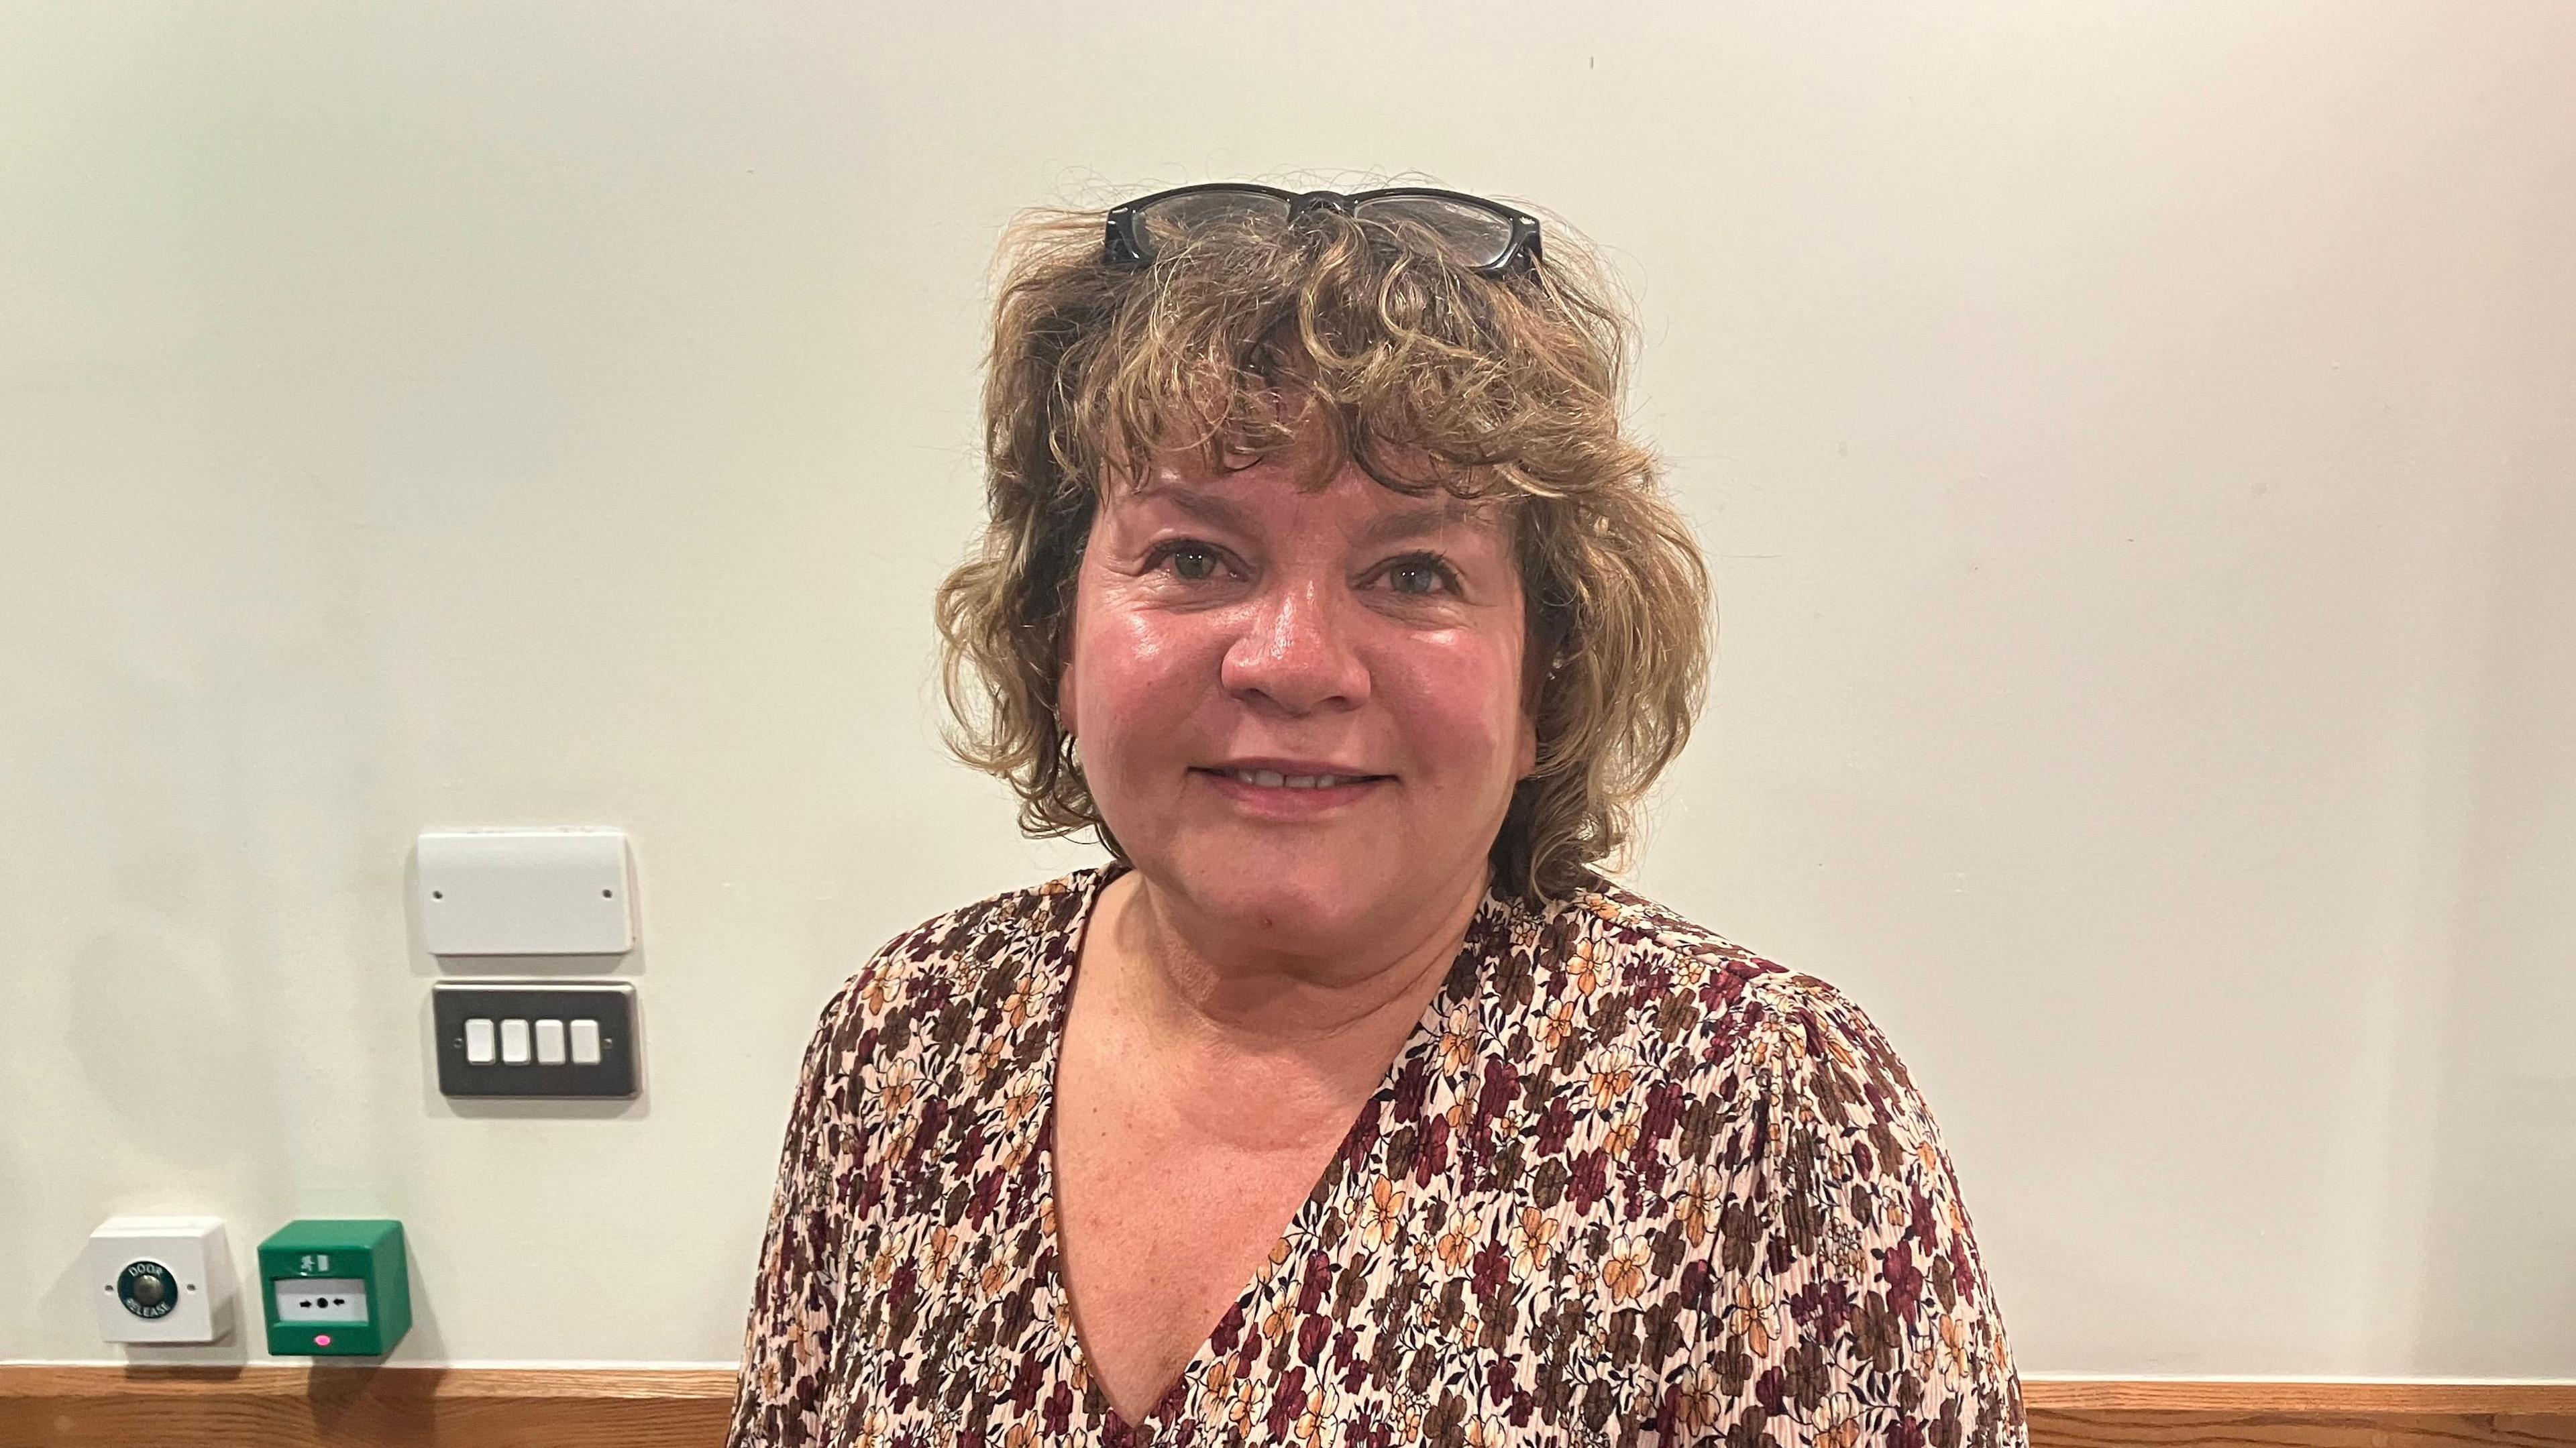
{"type": "Point", "coordinates": [2135, 441]}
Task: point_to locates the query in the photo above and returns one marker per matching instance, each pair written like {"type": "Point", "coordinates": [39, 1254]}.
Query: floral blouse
{"type": "Point", "coordinates": [1625, 1183]}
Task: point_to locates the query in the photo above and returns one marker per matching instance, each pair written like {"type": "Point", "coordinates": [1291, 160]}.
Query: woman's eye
{"type": "Point", "coordinates": [1192, 563]}
{"type": "Point", "coordinates": [1418, 575]}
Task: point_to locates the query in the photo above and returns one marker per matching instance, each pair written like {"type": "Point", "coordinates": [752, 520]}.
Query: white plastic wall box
{"type": "Point", "coordinates": [526, 892]}
{"type": "Point", "coordinates": [161, 1279]}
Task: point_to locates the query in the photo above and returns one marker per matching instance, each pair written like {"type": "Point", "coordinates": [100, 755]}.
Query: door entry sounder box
{"type": "Point", "coordinates": [335, 1288]}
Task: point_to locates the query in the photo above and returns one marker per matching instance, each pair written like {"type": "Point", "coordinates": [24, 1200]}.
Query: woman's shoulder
{"type": "Point", "coordinates": [990, 953]}
{"type": "Point", "coordinates": [1806, 1161]}
{"type": "Point", "coordinates": [1659, 984]}
{"type": "Point", "coordinates": [984, 929]}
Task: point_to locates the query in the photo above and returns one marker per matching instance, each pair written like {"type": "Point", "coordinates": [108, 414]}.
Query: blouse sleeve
{"type": "Point", "coordinates": [778, 1399]}
{"type": "Point", "coordinates": [1860, 1312]}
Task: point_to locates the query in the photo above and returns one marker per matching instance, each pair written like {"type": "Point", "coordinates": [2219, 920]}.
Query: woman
{"type": "Point", "coordinates": [1346, 1104]}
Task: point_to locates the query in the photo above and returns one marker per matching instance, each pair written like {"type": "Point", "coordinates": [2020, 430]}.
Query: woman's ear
{"type": "Point", "coordinates": [1544, 656]}
{"type": "Point", "coordinates": [1061, 705]}
{"type": "Point", "coordinates": [1534, 672]}
{"type": "Point", "coordinates": [1068, 624]}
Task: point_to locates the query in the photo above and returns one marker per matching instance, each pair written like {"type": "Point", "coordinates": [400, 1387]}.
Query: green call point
{"type": "Point", "coordinates": [334, 1288]}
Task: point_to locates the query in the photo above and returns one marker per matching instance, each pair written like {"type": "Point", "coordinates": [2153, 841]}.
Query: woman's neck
{"type": "Point", "coordinates": [1181, 981]}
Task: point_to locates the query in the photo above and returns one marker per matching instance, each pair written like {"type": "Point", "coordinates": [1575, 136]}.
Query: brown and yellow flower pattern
{"type": "Point", "coordinates": [1626, 1184]}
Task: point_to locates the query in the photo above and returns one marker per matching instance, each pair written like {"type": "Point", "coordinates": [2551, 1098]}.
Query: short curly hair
{"type": "Point", "coordinates": [1426, 374]}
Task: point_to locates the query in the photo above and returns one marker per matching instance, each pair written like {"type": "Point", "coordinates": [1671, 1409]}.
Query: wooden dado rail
{"type": "Point", "coordinates": [360, 1407]}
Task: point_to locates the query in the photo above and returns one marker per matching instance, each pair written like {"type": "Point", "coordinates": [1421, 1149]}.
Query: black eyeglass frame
{"type": "Point", "coordinates": [1125, 243]}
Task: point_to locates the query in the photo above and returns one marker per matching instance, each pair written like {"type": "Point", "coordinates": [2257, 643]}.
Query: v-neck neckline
{"type": "Point", "coordinates": [1420, 1041]}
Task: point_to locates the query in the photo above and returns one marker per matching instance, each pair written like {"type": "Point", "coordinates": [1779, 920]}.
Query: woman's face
{"type": "Point", "coordinates": [1235, 637]}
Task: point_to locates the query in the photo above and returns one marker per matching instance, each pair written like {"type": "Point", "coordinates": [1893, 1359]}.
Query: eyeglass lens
{"type": "Point", "coordinates": [1470, 235]}
{"type": "Point", "coordinates": [1201, 212]}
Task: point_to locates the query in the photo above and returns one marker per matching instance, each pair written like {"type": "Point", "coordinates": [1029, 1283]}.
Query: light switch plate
{"type": "Point", "coordinates": [161, 1279]}
{"type": "Point", "coordinates": [526, 892]}
{"type": "Point", "coordinates": [611, 1005]}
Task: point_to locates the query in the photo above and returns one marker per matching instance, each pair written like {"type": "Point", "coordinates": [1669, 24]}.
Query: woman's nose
{"type": "Point", "coordinates": [1296, 652]}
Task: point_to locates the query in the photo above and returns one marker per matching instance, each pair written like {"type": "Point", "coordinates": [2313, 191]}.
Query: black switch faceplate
{"type": "Point", "coordinates": [453, 1003]}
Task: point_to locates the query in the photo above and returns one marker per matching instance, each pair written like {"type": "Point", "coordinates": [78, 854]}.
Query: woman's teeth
{"type": "Point", "coordinates": [1273, 779]}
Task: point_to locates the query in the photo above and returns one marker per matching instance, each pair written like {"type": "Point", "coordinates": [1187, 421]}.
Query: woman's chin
{"type": "Point", "coordinates": [1296, 905]}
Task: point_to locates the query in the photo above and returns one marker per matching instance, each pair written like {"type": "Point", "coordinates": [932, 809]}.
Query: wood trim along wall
{"type": "Point", "coordinates": [363, 1407]}
{"type": "Point", "coordinates": [2102, 1412]}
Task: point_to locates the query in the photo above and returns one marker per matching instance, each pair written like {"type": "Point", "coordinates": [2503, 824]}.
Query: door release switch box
{"type": "Point", "coordinates": [555, 1038]}
{"type": "Point", "coordinates": [162, 1279]}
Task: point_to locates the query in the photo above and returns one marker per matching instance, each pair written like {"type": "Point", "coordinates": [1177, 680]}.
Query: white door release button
{"type": "Point", "coordinates": [585, 1043]}
{"type": "Point", "coordinates": [514, 1043]}
{"type": "Point", "coordinates": [478, 1041]}
{"type": "Point", "coordinates": [550, 1043]}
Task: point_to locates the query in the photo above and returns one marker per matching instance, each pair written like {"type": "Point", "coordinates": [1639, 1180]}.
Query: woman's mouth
{"type": "Point", "coordinates": [1282, 794]}
{"type": "Point", "coordinates": [1273, 779]}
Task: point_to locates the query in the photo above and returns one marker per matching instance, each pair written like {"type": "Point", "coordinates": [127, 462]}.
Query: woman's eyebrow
{"type": "Point", "coordinates": [1205, 506]}
{"type": "Point", "coordinates": [1421, 522]}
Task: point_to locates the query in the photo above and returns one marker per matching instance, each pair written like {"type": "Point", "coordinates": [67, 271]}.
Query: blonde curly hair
{"type": "Point", "coordinates": [1426, 374]}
